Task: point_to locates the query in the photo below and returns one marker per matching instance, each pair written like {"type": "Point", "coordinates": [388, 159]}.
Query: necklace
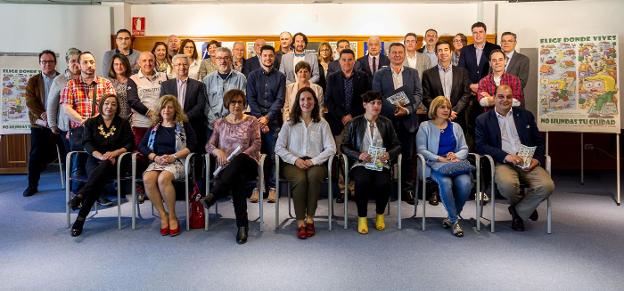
{"type": "Point", "coordinates": [110, 132]}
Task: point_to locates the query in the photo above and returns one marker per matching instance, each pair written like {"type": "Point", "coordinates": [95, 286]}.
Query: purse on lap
{"type": "Point", "coordinates": [456, 169]}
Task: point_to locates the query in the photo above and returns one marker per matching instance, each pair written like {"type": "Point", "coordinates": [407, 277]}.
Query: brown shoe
{"type": "Point", "coordinates": [272, 195]}
{"type": "Point", "coordinates": [254, 196]}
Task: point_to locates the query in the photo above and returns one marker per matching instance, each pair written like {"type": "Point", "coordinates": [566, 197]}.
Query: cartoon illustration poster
{"type": "Point", "coordinates": [578, 84]}
{"type": "Point", "coordinates": [13, 110]}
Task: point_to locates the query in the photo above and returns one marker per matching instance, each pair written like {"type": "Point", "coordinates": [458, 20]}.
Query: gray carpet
{"type": "Point", "coordinates": [583, 253]}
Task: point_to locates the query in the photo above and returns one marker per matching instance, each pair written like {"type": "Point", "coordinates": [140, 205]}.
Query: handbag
{"type": "Point", "coordinates": [196, 219]}
{"type": "Point", "coordinates": [456, 169]}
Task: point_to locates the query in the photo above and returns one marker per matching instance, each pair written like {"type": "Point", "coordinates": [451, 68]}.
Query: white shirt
{"type": "Point", "coordinates": [397, 78]}
{"type": "Point", "coordinates": [298, 140]}
{"type": "Point", "coordinates": [194, 70]}
{"type": "Point", "coordinates": [510, 141]}
{"type": "Point", "coordinates": [412, 62]}
{"type": "Point", "coordinates": [149, 93]}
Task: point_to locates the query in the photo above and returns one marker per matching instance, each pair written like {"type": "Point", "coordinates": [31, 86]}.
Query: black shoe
{"type": "Point", "coordinates": [409, 197]}
{"type": "Point", "coordinates": [241, 235]}
{"type": "Point", "coordinates": [517, 223]}
{"type": "Point", "coordinates": [140, 198]}
{"type": "Point", "coordinates": [340, 198]}
{"type": "Point", "coordinates": [75, 203]}
{"type": "Point", "coordinates": [103, 201]}
{"type": "Point", "coordinates": [433, 200]}
{"type": "Point", "coordinates": [534, 216]}
{"type": "Point", "coordinates": [30, 191]}
{"type": "Point", "coordinates": [208, 201]}
{"type": "Point", "coordinates": [76, 229]}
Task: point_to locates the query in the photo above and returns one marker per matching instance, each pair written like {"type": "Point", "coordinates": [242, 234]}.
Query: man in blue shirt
{"type": "Point", "coordinates": [265, 95]}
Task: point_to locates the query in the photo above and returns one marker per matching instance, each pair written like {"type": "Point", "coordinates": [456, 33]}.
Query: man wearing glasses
{"type": "Point", "coordinates": [123, 40]}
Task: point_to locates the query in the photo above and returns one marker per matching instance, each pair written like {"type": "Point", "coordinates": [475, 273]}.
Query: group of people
{"type": "Point", "coordinates": [304, 107]}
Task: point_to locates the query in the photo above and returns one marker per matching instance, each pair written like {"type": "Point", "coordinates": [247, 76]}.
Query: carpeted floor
{"type": "Point", "coordinates": [582, 253]}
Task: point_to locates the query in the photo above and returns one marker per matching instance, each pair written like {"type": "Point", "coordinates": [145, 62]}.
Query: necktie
{"type": "Point", "coordinates": [374, 65]}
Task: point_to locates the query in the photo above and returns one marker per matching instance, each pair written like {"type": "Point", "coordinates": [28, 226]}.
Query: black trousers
{"type": "Point", "coordinates": [100, 173]}
{"type": "Point", "coordinates": [408, 149]}
{"type": "Point", "coordinates": [42, 152]}
{"type": "Point", "coordinates": [233, 179]}
{"type": "Point", "coordinates": [368, 184]}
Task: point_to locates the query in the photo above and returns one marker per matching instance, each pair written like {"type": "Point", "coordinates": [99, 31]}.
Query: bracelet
{"type": "Point", "coordinates": [175, 157]}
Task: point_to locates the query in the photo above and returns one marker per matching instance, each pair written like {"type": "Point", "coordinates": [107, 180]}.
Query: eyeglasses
{"type": "Point", "coordinates": [123, 38]}
{"type": "Point", "coordinates": [219, 59]}
{"type": "Point", "coordinates": [47, 62]}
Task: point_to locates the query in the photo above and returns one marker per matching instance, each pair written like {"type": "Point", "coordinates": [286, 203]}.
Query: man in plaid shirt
{"type": "Point", "coordinates": [488, 84]}
{"type": "Point", "coordinates": [80, 98]}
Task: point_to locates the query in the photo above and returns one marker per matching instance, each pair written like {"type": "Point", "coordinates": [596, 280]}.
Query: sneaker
{"type": "Point", "coordinates": [140, 192]}
{"type": "Point", "coordinates": [255, 195]}
{"type": "Point", "coordinates": [272, 195]}
{"type": "Point", "coordinates": [103, 201]}
{"type": "Point", "coordinates": [457, 230]}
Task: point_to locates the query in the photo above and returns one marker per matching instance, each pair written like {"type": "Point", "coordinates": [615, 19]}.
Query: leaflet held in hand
{"type": "Point", "coordinates": [398, 98]}
{"type": "Point", "coordinates": [526, 153]}
{"type": "Point", "coordinates": [376, 164]}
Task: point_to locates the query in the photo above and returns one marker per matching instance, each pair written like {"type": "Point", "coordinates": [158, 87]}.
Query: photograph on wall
{"type": "Point", "coordinates": [578, 84]}
{"type": "Point", "coordinates": [13, 110]}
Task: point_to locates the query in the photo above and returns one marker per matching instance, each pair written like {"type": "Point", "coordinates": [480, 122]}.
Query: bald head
{"type": "Point", "coordinates": [258, 45]}
{"type": "Point", "coordinates": [173, 44]}
{"type": "Point", "coordinates": [147, 62]}
{"type": "Point", "coordinates": [503, 99]}
{"type": "Point", "coordinates": [374, 45]}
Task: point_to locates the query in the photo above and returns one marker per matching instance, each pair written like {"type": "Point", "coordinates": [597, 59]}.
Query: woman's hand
{"type": "Point", "coordinates": [451, 157]}
{"type": "Point", "coordinates": [385, 157]}
{"type": "Point", "coordinates": [221, 157]}
{"type": "Point", "coordinates": [301, 164]}
{"type": "Point", "coordinates": [364, 157]}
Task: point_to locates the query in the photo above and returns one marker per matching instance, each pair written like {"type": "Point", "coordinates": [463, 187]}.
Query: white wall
{"type": "Point", "coordinates": [33, 28]}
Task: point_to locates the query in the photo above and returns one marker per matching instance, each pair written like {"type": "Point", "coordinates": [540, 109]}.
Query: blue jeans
{"type": "Point", "coordinates": [268, 147]}
{"type": "Point", "coordinates": [453, 200]}
{"type": "Point", "coordinates": [78, 161]}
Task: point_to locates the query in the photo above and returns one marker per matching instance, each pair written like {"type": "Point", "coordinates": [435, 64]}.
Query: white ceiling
{"type": "Point", "coordinates": [97, 2]}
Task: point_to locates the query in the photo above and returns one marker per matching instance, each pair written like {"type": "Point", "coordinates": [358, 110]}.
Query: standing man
{"type": "Point", "coordinates": [413, 58]}
{"type": "Point", "coordinates": [217, 84]}
{"type": "Point", "coordinates": [431, 38]}
{"type": "Point", "coordinates": [373, 60]}
{"type": "Point", "coordinates": [173, 45]}
{"type": "Point", "coordinates": [487, 85]}
{"type": "Point", "coordinates": [238, 56]}
{"type": "Point", "coordinates": [500, 133]}
{"type": "Point", "coordinates": [286, 43]}
{"type": "Point", "coordinates": [389, 81]}
{"type": "Point", "coordinates": [290, 60]}
{"type": "Point", "coordinates": [517, 63]}
{"type": "Point", "coordinates": [334, 66]}
{"type": "Point", "coordinates": [191, 95]}
{"type": "Point", "coordinates": [123, 40]}
{"type": "Point", "coordinates": [41, 137]}
{"type": "Point", "coordinates": [265, 95]}
{"type": "Point", "coordinates": [253, 63]}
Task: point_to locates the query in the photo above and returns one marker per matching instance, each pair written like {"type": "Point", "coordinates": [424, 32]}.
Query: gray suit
{"type": "Point", "coordinates": [288, 68]}
{"type": "Point", "coordinates": [423, 63]}
{"type": "Point", "coordinates": [519, 66]}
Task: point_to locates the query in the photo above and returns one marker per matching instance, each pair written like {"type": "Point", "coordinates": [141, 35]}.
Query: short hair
{"type": "Point", "coordinates": [71, 52]}
{"type": "Point", "coordinates": [463, 38]}
{"type": "Point", "coordinates": [305, 38]}
{"type": "Point", "coordinates": [215, 42]}
{"type": "Point", "coordinates": [238, 43]}
{"type": "Point", "coordinates": [295, 112]}
{"type": "Point", "coordinates": [509, 33]}
{"type": "Point", "coordinates": [85, 53]}
{"type": "Point", "coordinates": [441, 42]}
{"type": "Point", "coordinates": [223, 49]}
{"type": "Point", "coordinates": [230, 95]}
{"type": "Point", "coordinates": [496, 51]}
{"type": "Point", "coordinates": [347, 51]}
{"type": "Point", "coordinates": [341, 41]}
{"type": "Point", "coordinates": [122, 31]}
{"type": "Point", "coordinates": [410, 34]}
{"type": "Point", "coordinates": [124, 61]}
{"type": "Point", "coordinates": [396, 44]}
{"type": "Point", "coordinates": [184, 42]}
{"type": "Point", "coordinates": [431, 29]}
{"type": "Point", "coordinates": [371, 95]}
{"type": "Point", "coordinates": [179, 56]}
{"type": "Point", "coordinates": [47, 52]}
{"type": "Point", "coordinates": [437, 103]}
{"type": "Point", "coordinates": [302, 65]}
{"type": "Point", "coordinates": [267, 47]}
{"type": "Point", "coordinates": [101, 104]}
{"type": "Point", "coordinates": [179, 114]}
{"type": "Point", "coordinates": [478, 24]}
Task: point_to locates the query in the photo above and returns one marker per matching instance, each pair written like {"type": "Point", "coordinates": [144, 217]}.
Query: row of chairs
{"type": "Point", "coordinates": [396, 173]}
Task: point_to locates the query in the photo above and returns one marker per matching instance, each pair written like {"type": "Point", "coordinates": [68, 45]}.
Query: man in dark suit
{"type": "Point", "coordinates": [373, 60]}
{"type": "Point", "coordinates": [500, 133]}
{"type": "Point", "coordinates": [449, 81]}
{"type": "Point", "coordinates": [192, 97]}
{"type": "Point", "coordinates": [253, 63]}
{"type": "Point", "coordinates": [517, 63]}
{"type": "Point", "coordinates": [475, 59]}
{"type": "Point", "coordinates": [389, 81]}
{"type": "Point", "coordinates": [334, 66]}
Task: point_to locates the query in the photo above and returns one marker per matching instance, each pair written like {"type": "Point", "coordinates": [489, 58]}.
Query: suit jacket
{"type": "Point", "coordinates": [287, 67]}
{"type": "Point", "coordinates": [334, 66]}
{"type": "Point", "coordinates": [251, 64]}
{"type": "Point", "coordinates": [488, 135]}
{"type": "Point", "coordinates": [383, 83]}
{"type": "Point", "coordinates": [194, 103]}
{"type": "Point", "coordinates": [35, 97]}
{"type": "Point", "coordinates": [362, 65]}
{"type": "Point", "coordinates": [334, 98]}
{"type": "Point", "coordinates": [423, 63]}
{"type": "Point", "coordinates": [519, 66]}
{"type": "Point", "coordinates": [460, 89]}
{"type": "Point", "coordinates": [468, 60]}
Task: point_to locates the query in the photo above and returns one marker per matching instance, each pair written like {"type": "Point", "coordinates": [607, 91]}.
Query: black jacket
{"type": "Point", "coordinates": [334, 98]}
{"type": "Point", "coordinates": [460, 89]}
{"type": "Point", "coordinates": [355, 132]}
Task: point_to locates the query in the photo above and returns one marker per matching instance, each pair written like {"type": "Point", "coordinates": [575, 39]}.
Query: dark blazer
{"type": "Point", "coordinates": [35, 97]}
{"type": "Point", "coordinates": [355, 132]}
{"type": "Point", "coordinates": [460, 89]}
{"type": "Point", "coordinates": [488, 136]}
{"type": "Point", "coordinates": [334, 98]}
{"type": "Point", "coordinates": [334, 66]}
{"type": "Point", "coordinates": [194, 103]}
{"type": "Point", "coordinates": [362, 64]}
{"type": "Point", "coordinates": [468, 60]}
{"type": "Point", "coordinates": [322, 79]}
{"type": "Point", "coordinates": [251, 64]}
{"type": "Point", "coordinates": [519, 66]}
{"type": "Point", "coordinates": [382, 82]}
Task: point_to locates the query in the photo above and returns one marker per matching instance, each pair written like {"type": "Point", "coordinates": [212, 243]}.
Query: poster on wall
{"type": "Point", "coordinates": [13, 110]}
{"type": "Point", "coordinates": [578, 84]}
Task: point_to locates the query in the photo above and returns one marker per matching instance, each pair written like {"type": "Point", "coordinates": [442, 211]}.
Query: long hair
{"type": "Point", "coordinates": [195, 55]}
{"type": "Point", "coordinates": [331, 54]}
{"type": "Point", "coordinates": [124, 62]}
{"type": "Point", "coordinates": [179, 115]}
{"type": "Point", "coordinates": [295, 112]}
{"type": "Point", "coordinates": [167, 57]}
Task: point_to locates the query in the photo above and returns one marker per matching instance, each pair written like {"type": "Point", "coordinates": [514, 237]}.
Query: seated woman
{"type": "Point", "coordinates": [360, 136]}
{"type": "Point", "coordinates": [166, 145]}
{"type": "Point", "coordinates": [235, 130]}
{"type": "Point", "coordinates": [441, 142]}
{"type": "Point", "coordinates": [305, 143]}
{"type": "Point", "coordinates": [106, 136]}
{"type": "Point", "coordinates": [303, 72]}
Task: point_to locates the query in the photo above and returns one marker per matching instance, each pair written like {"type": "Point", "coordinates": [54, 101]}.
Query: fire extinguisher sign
{"type": "Point", "coordinates": [138, 26]}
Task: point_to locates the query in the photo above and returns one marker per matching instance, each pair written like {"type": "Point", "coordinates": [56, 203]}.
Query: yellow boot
{"type": "Point", "coordinates": [380, 224]}
{"type": "Point", "coordinates": [362, 225]}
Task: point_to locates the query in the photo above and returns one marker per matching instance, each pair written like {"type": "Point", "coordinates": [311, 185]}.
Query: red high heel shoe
{"type": "Point", "coordinates": [174, 231]}
{"type": "Point", "coordinates": [164, 231]}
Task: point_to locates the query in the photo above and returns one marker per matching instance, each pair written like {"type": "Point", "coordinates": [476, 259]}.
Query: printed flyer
{"type": "Point", "coordinates": [13, 110]}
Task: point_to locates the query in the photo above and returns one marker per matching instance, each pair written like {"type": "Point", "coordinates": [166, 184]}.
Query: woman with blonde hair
{"type": "Point", "coordinates": [166, 144]}
{"type": "Point", "coordinates": [325, 57]}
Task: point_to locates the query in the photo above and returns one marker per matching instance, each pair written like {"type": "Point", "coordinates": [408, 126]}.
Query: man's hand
{"type": "Point", "coordinates": [453, 115]}
{"type": "Point", "coordinates": [488, 98]}
{"type": "Point", "coordinates": [474, 87]}
{"type": "Point", "coordinates": [400, 111]}
{"type": "Point", "coordinates": [534, 164]}
{"type": "Point", "coordinates": [44, 116]}
{"type": "Point", "coordinates": [513, 159]}
{"type": "Point", "coordinates": [55, 129]}
{"type": "Point", "coordinates": [346, 119]}
{"type": "Point", "coordinates": [264, 120]}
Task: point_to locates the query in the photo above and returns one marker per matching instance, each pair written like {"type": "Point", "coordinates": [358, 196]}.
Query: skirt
{"type": "Point", "coordinates": [176, 168]}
